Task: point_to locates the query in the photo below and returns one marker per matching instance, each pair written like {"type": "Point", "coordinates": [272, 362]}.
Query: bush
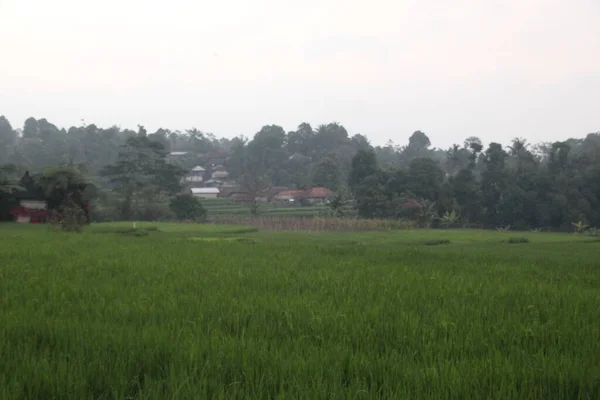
{"type": "Point", "coordinates": [188, 208]}
{"type": "Point", "coordinates": [518, 240]}
{"type": "Point", "coordinates": [592, 232]}
{"type": "Point", "coordinates": [71, 219]}
{"type": "Point", "coordinates": [153, 212]}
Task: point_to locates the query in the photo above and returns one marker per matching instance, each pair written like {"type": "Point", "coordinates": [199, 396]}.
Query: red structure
{"type": "Point", "coordinates": [33, 209]}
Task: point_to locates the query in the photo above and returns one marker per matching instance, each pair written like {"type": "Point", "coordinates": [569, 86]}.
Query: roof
{"type": "Point", "coordinates": [271, 192]}
{"type": "Point", "coordinates": [178, 153]}
{"type": "Point", "coordinates": [318, 192]}
{"type": "Point", "coordinates": [198, 168]}
{"type": "Point", "coordinates": [314, 193]}
{"type": "Point", "coordinates": [291, 193]}
{"type": "Point", "coordinates": [205, 190]}
{"type": "Point", "coordinates": [297, 156]}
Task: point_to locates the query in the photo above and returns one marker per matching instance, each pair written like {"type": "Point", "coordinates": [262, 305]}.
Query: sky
{"type": "Point", "coordinates": [384, 68]}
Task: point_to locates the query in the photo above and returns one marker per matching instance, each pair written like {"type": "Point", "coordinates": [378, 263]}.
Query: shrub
{"type": "Point", "coordinates": [72, 218]}
{"type": "Point", "coordinates": [154, 212]}
{"type": "Point", "coordinates": [517, 240]}
{"type": "Point", "coordinates": [187, 207]}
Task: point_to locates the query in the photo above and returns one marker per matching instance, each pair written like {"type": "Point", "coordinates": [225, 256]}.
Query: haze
{"type": "Point", "coordinates": [494, 69]}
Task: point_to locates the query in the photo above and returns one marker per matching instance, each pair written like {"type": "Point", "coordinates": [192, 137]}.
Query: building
{"type": "Point", "coordinates": [310, 196]}
{"type": "Point", "coordinates": [32, 208]}
{"type": "Point", "coordinates": [219, 173]}
{"type": "Point", "coordinates": [206, 193]}
{"type": "Point", "coordinates": [196, 175]}
{"type": "Point", "coordinates": [318, 194]}
{"type": "Point", "coordinates": [267, 195]}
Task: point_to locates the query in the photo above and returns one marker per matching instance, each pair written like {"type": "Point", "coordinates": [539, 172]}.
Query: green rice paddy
{"type": "Point", "coordinates": [191, 311]}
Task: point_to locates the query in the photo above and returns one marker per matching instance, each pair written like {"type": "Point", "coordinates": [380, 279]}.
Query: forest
{"type": "Point", "coordinates": [130, 176]}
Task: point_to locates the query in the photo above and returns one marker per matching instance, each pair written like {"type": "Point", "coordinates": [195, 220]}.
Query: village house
{"type": "Point", "coordinates": [32, 208]}
{"type": "Point", "coordinates": [309, 196]}
{"type": "Point", "coordinates": [219, 173]}
{"type": "Point", "coordinates": [196, 175]}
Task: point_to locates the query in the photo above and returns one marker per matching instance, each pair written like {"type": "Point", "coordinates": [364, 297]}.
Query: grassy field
{"type": "Point", "coordinates": [199, 311]}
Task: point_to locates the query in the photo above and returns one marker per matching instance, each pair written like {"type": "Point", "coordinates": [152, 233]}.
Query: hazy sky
{"type": "Point", "coordinates": [384, 68]}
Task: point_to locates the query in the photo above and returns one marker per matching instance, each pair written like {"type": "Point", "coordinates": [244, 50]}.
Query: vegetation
{"type": "Point", "coordinates": [517, 240]}
{"type": "Point", "coordinates": [187, 207]}
{"type": "Point", "coordinates": [544, 186]}
{"type": "Point", "coordinates": [195, 311]}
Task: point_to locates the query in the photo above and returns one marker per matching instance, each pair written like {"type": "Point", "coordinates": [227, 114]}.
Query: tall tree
{"type": "Point", "coordinates": [8, 139]}
{"type": "Point", "coordinates": [364, 164]}
{"type": "Point", "coordinates": [142, 166]}
{"type": "Point", "coordinates": [327, 173]}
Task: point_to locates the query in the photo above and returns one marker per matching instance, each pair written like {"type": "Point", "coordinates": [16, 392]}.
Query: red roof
{"type": "Point", "coordinates": [318, 192]}
{"type": "Point", "coordinates": [412, 203]}
{"type": "Point", "coordinates": [291, 193]}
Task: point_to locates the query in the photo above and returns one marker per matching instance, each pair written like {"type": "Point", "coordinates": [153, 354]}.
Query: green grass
{"type": "Point", "coordinates": [198, 311]}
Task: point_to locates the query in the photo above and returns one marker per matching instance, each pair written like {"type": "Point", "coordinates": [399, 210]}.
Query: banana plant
{"type": "Point", "coordinates": [580, 226]}
{"type": "Point", "coordinates": [449, 219]}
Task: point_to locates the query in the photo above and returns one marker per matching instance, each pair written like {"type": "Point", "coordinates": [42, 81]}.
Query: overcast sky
{"type": "Point", "coordinates": [384, 68]}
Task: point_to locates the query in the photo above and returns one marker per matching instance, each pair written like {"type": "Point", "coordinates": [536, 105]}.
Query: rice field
{"type": "Point", "coordinates": [186, 311]}
{"type": "Point", "coordinates": [225, 207]}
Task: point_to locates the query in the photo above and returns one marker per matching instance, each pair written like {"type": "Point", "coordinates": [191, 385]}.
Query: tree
{"type": "Point", "coordinates": [340, 204]}
{"type": "Point", "coordinates": [31, 129]}
{"type": "Point", "coordinates": [418, 146]}
{"type": "Point", "coordinates": [426, 178]}
{"type": "Point", "coordinates": [364, 164]}
{"type": "Point", "coordinates": [494, 184]}
{"type": "Point", "coordinates": [473, 144]}
{"type": "Point", "coordinates": [328, 138]}
{"type": "Point", "coordinates": [142, 166]}
{"type": "Point", "coordinates": [188, 208]}
{"type": "Point", "coordinates": [8, 139]}
{"type": "Point", "coordinates": [66, 187]}
{"type": "Point", "coordinates": [327, 173]}
{"type": "Point", "coordinates": [9, 184]}
{"type": "Point", "coordinates": [300, 140]}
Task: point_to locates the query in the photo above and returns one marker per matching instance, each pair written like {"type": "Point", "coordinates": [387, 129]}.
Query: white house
{"type": "Point", "coordinates": [219, 172]}
{"type": "Point", "coordinates": [205, 192]}
{"type": "Point", "coordinates": [195, 175]}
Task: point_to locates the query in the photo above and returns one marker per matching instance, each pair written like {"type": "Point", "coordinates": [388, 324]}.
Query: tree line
{"type": "Point", "coordinates": [524, 186]}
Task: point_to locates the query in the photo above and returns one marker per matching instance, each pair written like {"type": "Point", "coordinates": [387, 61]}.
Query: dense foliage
{"type": "Point", "coordinates": [188, 208]}
{"type": "Point", "coordinates": [547, 185]}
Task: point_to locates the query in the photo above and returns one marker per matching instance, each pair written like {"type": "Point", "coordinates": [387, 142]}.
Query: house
{"type": "Point", "coordinates": [318, 194]}
{"type": "Point", "coordinates": [310, 196]}
{"type": "Point", "coordinates": [289, 195]}
{"type": "Point", "coordinates": [267, 195]}
{"type": "Point", "coordinates": [219, 172]}
{"type": "Point", "coordinates": [32, 208]}
{"type": "Point", "coordinates": [232, 192]}
{"type": "Point", "coordinates": [206, 193]}
{"type": "Point", "coordinates": [196, 175]}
